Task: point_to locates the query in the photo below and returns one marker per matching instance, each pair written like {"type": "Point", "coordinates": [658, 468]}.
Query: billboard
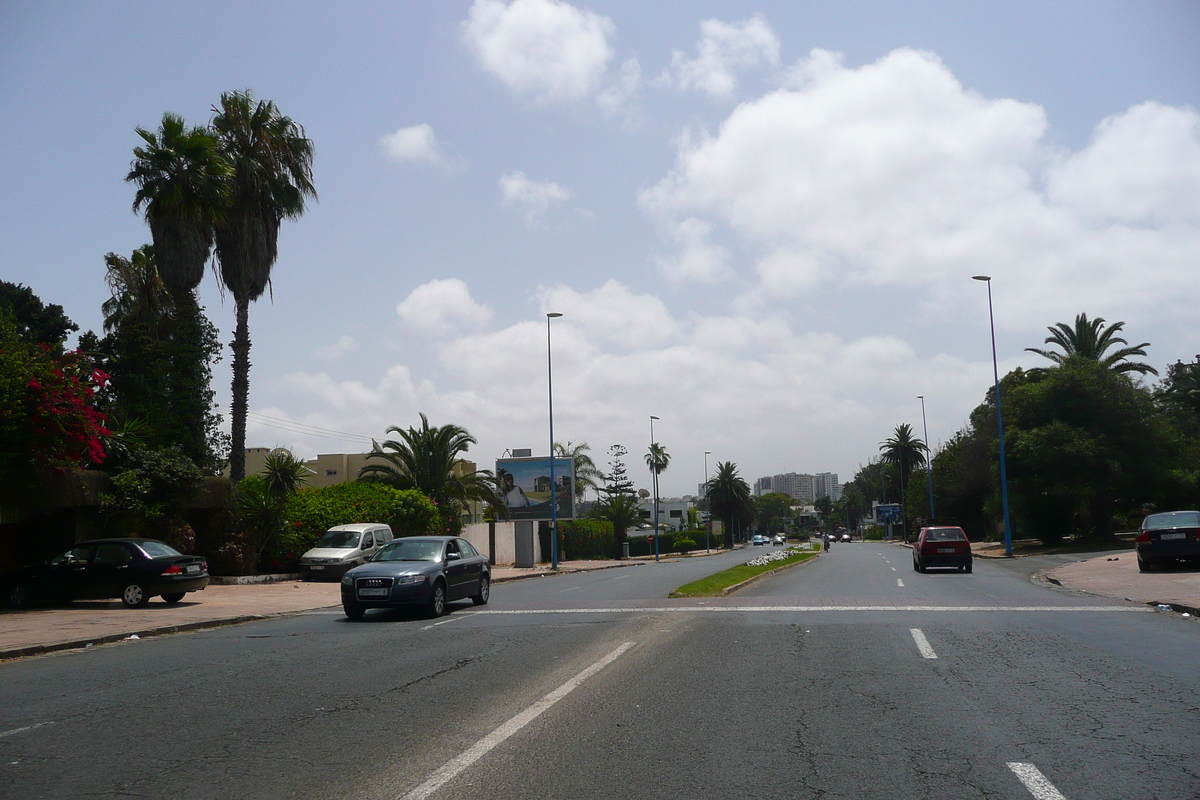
{"type": "Point", "coordinates": [889, 513]}
{"type": "Point", "coordinates": [526, 486]}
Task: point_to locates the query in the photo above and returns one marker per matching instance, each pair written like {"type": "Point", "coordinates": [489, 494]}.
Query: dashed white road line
{"type": "Point", "coordinates": [572, 589]}
{"type": "Point", "coordinates": [24, 729]}
{"type": "Point", "coordinates": [899, 583]}
{"type": "Point", "coordinates": [893, 569]}
{"type": "Point", "coordinates": [447, 621]}
{"type": "Point", "coordinates": [481, 748]}
{"type": "Point", "coordinates": [923, 646]}
{"type": "Point", "coordinates": [1038, 784]}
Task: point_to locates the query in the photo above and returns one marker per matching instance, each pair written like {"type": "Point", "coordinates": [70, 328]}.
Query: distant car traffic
{"type": "Point", "coordinates": [417, 571]}
{"type": "Point", "coordinates": [132, 569]}
{"type": "Point", "coordinates": [1168, 536]}
{"type": "Point", "coordinates": [778, 539]}
{"type": "Point", "coordinates": [845, 537]}
{"type": "Point", "coordinates": [942, 546]}
{"type": "Point", "coordinates": [759, 539]}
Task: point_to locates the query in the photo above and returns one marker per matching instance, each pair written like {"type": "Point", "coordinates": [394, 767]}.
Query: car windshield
{"type": "Point", "coordinates": [339, 539]}
{"type": "Point", "coordinates": [944, 535]}
{"type": "Point", "coordinates": [1172, 519]}
{"type": "Point", "coordinates": [156, 549]}
{"type": "Point", "coordinates": [410, 551]}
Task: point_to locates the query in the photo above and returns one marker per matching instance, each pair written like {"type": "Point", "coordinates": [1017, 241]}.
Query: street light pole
{"type": "Point", "coordinates": [654, 476]}
{"type": "Point", "coordinates": [928, 457]}
{"type": "Point", "coordinates": [999, 419]}
{"type": "Point", "coordinates": [707, 527]}
{"type": "Point", "coordinates": [553, 488]}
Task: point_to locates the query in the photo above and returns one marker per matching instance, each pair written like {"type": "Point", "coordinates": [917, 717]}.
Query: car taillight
{"type": "Point", "coordinates": [1144, 536]}
{"type": "Point", "coordinates": [173, 570]}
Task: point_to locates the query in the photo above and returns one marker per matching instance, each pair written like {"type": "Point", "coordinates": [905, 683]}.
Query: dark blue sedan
{"type": "Point", "coordinates": [418, 571]}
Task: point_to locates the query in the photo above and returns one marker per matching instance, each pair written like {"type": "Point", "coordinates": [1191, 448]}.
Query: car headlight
{"type": "Point", "coordinates": [347, 579]}
{"type": "Point", "coordinates": [406, 579]}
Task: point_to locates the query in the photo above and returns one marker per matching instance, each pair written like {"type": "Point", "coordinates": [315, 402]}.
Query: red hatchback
{"type": "Point", "coordinates": [942, 547]}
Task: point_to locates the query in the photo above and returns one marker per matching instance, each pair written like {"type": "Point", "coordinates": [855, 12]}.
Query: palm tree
{"type": "Point", "coordinates": [905, 451]}
{"type": "Point", "coordinates": [272, 176]}
{"type": "Point", "coordinates": [427, 459]}
{"type": "Point", "coordinates": [184, 185]}
{"type": "Point", "coordinates": [1090, 339]}
{"type": "Point", "coordinates": [587, 476]}
{"type": "Point", "coordinates": [657, 459]}
{"type": "Point", "coordinates": [728, 497]}
{"type": "Point", "coordinates": [622, 510]}
{"type": "Point", "coordinates": [138, 294]}
{"type": "Point", "coordinates": [1182, 386]}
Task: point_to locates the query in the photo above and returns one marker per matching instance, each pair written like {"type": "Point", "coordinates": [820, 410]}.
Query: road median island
{"type": "Point", "coordinates": [730, 580]}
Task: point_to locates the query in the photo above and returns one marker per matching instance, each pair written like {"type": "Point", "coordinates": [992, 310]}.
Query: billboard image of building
{"type": "Point", "coordinates": [525, 486]}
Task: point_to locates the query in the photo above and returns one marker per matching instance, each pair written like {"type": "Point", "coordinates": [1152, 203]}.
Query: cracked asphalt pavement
{"type": "Point", "coordinates": [809, 684]}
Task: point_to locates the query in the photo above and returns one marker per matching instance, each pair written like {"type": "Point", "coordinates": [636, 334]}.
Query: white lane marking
{"type": "Point", "coordinates": [24, 729]}
{"type": "Point", "coordinates": [899, 583]}
{"type": "Point", "coordinates": [893, 569]}
{"type": "Point", "coordinates": [573, 588]}
{"type": "Point", "coordinates": [1037, 783]}
{"type": "Point", "coordinates": [752, 609]}
{"type": "Point", "coordinates": [481, 748]}
{"type": "Point", "coordinates": [448, 621]}
{"type": "Point", "coordinates": [922, 643]}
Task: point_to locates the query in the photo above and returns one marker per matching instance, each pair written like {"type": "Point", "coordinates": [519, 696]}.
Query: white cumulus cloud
{"type": "Point", "coordinates": [441, 306]}
{"type": "Point", "coordinates": [415, 144]}
{"type": "Point", "coordinates": [545, 49]}
{"type": "Point", "coordinates": [333, 352]}
{"type": "Point", "coordinates": [723, 49]}
{"type": "Point", "coordinates": [536, 197]}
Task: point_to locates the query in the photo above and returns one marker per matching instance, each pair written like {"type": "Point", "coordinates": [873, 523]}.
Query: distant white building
{"type": "Point", "coordinates": [672, 511]}
{"type": "Point", "coordinates": [801, 486]}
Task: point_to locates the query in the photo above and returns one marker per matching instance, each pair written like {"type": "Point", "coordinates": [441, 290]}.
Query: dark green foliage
{"type": "Point", "coordinates": [774, 510]}
{"type": "Point", "coordinates": [150, 492]}
{"type": "Point", "coordinates": [587, 539]}
{"type": "Point", "coordinates": [684, 544]}
{"type": "Point", "coordinates": [35, 322]}
{"type": "Point", "coordinates": [1090, 340]}
{"type": "Point", "coordinates": [621, 512]}
{"type": "Point", "coordinates": [729, 498]}
{"type": "Point", "coordinates": [311, 512]}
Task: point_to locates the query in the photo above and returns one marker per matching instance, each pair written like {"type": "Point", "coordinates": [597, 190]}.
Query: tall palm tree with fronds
{"type": "Point", "coordinates": [623, 511]}
{"type": "Point", "coordinates": [138, 294]}
{"type": "Point", "coordinates": [657, 459]}
{"type": "Point", "coordinates": [1090, 339]}
{"type": "Point", "coordinates": [728, 497]}
{"type": "Point", "coordinates": [587, 476]}
{"type": "Point", "coordinates": [905, 451]}
{"type": "Point", "coordinates": [271, 162]}
{"type": "Point", "coordinates": [426, 459]}
{"type": "Point", "coordinates": [183, 186]}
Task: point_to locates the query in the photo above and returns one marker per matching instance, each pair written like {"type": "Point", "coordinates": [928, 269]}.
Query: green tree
{"type": "Point", "coordinates": [729, 498]}
{"type": "Point", "coordinates": [271, 162]}
{"type": "Point", "coordinates": [824, 507]}
{"type": "Point", "coordinates": [906, 452]}
{"type": "Point", "coordinates": [1090, 340]}
{"type": "Point", "coordinates": [774, 509]}
{"type": "Point", "coordinates": [262, 500]}
{"type": "Point", "coordinates": [426, 459]}
{"type": "Point", "coordinates": [1181, 387]}
{"type": "Point", "coordinates": [657, 460]}
{"type": "Point", "coordinates": [621, 510]}
{"type": "Point", "coordinates": [34, 321]}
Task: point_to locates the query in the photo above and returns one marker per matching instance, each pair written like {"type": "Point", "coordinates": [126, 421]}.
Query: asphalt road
{"type": "Point", "coordinates": [849, 677]}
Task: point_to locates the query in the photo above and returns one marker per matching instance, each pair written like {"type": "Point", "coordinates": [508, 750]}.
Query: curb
{"type": "Point", "coordinates": [80, 644]}
{"type": "Point", "coordinates": [1179, 608]}
{"type": "Point", "coordinates": [547, 573]}
{"type": "Point", "coordinates": [728, 590]}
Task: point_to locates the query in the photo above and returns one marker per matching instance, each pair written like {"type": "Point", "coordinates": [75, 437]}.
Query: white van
{"type": "Point", "coordinates": [343, 547]}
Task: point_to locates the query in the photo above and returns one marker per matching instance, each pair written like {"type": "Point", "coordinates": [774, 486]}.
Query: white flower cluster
{"type": "Point", "coordinates": [775, 555]}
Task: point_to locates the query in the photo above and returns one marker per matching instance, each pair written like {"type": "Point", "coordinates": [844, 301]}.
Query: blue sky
{"type": "Point", "coordinates": [758, 219]}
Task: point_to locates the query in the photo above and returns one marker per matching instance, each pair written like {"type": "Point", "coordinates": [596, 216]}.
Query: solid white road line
{"type": "Point", "coordinates": [1037, 783]}
{"type": "Point", "coordinates": [24, 729]}
{"type": "Point", "coordinates": [787, 609]}
{"type": "Point", "coordinates": [922, 643]}
{"type": "Point", "coordinates": [447, 621]}
{"type": "Point", "coordinates": [481, 748]}
{"type": "Point", "coordinates": [899, 583]}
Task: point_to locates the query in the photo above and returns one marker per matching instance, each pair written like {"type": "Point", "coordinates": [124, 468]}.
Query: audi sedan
{"type": "Point", "coordinates": [1165, 537]}
{"type": "Point", "coordinates": [417, 572]}
{"type": "Point", "coordinates": [132, 569]}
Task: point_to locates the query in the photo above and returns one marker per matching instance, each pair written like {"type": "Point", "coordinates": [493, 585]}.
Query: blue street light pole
{"type": "Point", "coordinates": [999, 419]}
{"type": "Point", "coordinates": [708, 525]}
{"type": "Point", "coordinates": [928, 457]}
{"type": "Point", "coordinates": [654, 476]}
{"type": "Point", "coordinates": [553, 487]}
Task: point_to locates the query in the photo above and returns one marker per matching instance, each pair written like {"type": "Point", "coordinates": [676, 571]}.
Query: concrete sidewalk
{"type": "Point", "coordinates": [1117, 575]}
{"type": "Point", "coordinates": [92, 622]}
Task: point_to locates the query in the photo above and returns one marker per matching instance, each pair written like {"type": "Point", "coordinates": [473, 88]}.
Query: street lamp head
{"type": "Point", "coordinates": [981, 277]}
{"type": "Point", "coordinates": [553, 314]}
{"type": "Point", "coordinates": [708, 452]}
{"type": "Point", "coordinates": [653, 417]}
{"type": "Point", "coordinates": [920, 397]}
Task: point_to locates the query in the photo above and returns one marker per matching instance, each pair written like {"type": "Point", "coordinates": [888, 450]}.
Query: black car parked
{"type": "Point", "coordinates": [132, 569]}
{"type": "Point", "coordinates": [1168, 536]}
{"type": "Point", "coordinates": [421, 571]}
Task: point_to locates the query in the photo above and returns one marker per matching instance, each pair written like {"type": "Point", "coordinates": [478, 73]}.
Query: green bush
{"type": "Point", "coordinates": [684, 544]}
{"type": "Point", "coordinates": [874, 533]}
{"type": "Point", "coordinates": [583, 539]}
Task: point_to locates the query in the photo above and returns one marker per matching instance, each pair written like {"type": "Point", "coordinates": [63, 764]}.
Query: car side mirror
{"type": "Point", "coordinates": [453, 556]}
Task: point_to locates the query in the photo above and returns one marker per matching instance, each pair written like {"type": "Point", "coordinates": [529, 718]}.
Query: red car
{"type": "Point", "coordinates": [942, 546]}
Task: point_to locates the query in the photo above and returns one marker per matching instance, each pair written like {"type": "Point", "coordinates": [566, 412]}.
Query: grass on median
{"type": "Point", "coordinates": [713, 585]}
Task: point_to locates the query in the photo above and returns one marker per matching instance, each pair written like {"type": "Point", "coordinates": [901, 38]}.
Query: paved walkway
{"type": "Point", "coordinates": [86, 622]}
{"type": "Point", "coordinates": [1117, 575]}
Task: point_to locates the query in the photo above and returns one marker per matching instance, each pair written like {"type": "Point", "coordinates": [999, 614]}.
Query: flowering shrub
{"type": "Point", "coordinates": [48, 418]}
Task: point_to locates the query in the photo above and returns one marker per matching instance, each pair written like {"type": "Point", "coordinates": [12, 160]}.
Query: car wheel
{"type": "Point", "coordinates": [920, 567]}
{"type": "Point", "coordinates": [915, 569]}
{"type": "Point", "coordinates": [353, 611]}
{"type": "Point", "coordinates": [1144, 565]}
{"type": "Point", "coordinates": [18, 597]}
{"type": "Point", "coordinates": [173, 597]}
{"type": "Point", "coordinates": [437, 600]}
{"type": "Point", "coordinates": [134, 596]}
{"type": "Point", "coordinates": [967, 568]}
{"type": "Point", "coordinates": [485, 590]}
